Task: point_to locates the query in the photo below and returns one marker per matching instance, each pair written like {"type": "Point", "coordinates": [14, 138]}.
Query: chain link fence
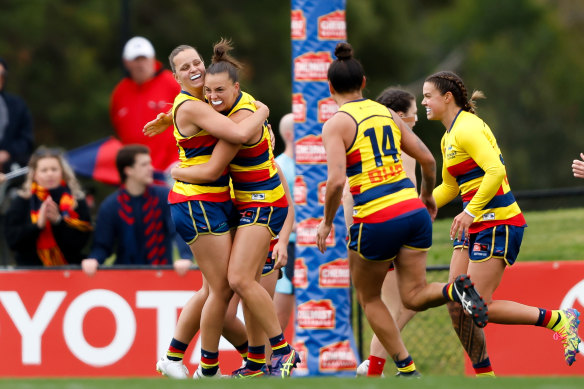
{"type": "Point", "coordinates": [428, 336]}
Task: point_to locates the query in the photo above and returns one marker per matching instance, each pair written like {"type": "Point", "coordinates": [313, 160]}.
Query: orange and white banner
{"type": "Point", "coordinates": [117, 323]}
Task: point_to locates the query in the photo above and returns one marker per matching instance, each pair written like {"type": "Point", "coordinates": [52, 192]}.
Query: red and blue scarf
{"type": "Point", "coordinates": [47, 248]}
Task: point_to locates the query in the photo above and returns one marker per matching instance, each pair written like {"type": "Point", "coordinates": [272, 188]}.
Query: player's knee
{"type": "Point", "coordinates": [238, 283]}
{"type": "Point", "coordinates": [413, 305]}
{"type": "Point", "coordinates": [224, 294]}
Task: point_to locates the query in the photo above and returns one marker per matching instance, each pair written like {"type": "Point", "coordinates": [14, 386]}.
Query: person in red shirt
{"type": "Point", "coordinates": [138, 98]}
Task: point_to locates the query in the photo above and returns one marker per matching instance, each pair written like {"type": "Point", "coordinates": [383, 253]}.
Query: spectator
{"type": "Point", "coordinates": [148, 90]}
{"type": "Point", "coordinates": [284, 296]}
{"type": "Point", "coordinates": [135, 220]}
{"type": "Point", "coordinates": [16, 138]}
{"type": "Point", "coordinates": [578, 167]}
{"type": "Point", "coordinates": [48, 223]}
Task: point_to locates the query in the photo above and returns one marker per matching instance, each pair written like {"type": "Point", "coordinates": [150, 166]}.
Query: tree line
{"type": "Point", "coordinates": [64, 59]}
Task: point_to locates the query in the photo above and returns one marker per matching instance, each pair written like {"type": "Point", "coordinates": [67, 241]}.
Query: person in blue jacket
{"type": "Point", "coordinates": [135, 221]}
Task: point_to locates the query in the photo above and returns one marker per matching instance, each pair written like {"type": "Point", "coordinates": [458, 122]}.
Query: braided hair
{"type": "Point", "coordinates": [451, 82]}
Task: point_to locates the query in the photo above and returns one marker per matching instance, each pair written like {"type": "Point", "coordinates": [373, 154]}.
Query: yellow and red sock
{"type": "Point", "coordinates": [548, 318]}
{"type": "Point", "coordinates": [406, 366]}
{"type": "Point", "coordinates": [256, 357]}
{"type": "Point", "coordinates": [176, 350]}
{"type": "Point", "coordinates": [449, 293]}
{"type": "Point", "coordinates": [483, 368]}
{"type": "Point", "coordinates": [209, 362]}
{"type": "Point", "coordinates": [376, 366]}
{"type": "Point", "coordinates": [242, 350]}
{"type": "Point", "coordinates": [279, 345]}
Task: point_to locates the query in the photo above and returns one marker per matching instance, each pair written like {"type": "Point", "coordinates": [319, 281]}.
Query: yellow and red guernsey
{"type": "Point", "coordinates": [380, 187]}
{"type": "Point", "coordinates": [196, 150]}
{"type": "Point", "coordinates": [253, 171]}
{"type": "Point", "coordinates": [473, 166]}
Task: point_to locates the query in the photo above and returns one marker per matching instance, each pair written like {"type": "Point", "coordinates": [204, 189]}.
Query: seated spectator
{"type": "Point", "coordinates": [135, 220]}
{"type": "Point", "coordinates": [16, 138]}
{"type": "Point", "coordinates": [48, 222]}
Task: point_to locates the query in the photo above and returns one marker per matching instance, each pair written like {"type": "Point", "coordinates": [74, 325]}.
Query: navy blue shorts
{"type": "Point", "coordinates": [194, 218]}
{"type": "Point", "coordinates": [270, 263]}
{"type": "Point", "coordinates": [503, 241]}
{"type": "Point", "coordinates": [382, 241]}
{"type": "Point", "coordinates": [271, 217]}
{"type": "Point", "coordinates": [460, 244]}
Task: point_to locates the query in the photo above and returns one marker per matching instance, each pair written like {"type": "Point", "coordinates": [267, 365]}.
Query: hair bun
{"type": "Point", "coordinates": [344, 51]}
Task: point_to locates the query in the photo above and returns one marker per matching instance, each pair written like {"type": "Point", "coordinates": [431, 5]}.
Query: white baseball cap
{"type": "Point", "coordinates": [136, 47]}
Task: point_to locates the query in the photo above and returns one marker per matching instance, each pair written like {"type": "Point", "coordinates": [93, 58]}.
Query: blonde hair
{"type": "Point", "coordinates": [68, 175]}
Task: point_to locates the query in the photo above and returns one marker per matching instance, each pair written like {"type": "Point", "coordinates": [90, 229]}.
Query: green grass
{"type": "Point", "coordinates": [298, 383]}
{"type": "Point", "coordinates": [556, 235]}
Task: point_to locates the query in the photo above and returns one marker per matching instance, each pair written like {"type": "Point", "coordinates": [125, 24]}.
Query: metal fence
{"type": "Point", "coordinates": [429, 337]}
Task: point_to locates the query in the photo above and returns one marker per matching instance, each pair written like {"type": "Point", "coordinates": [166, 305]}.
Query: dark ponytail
{"type": "Point", "coordinates": [345, 73]}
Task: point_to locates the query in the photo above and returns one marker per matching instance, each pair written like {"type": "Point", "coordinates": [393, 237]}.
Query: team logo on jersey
{"type": "Point", "coordinates": [480, 250]}
{"type": "Point", "coordinates": [258, 196]}
{"type": "Point", "coordinates": [316, 314]}
{"type": "Point", "coordinates": [489, 216]}
{"type": "Point", "coordinates": [247, 216]}
{"type": "Point", "coordinates": [326, 109]}
{"type": "Point", "coordinates": [337, 356]}
{"type": "Point", "coordinates": [332, 26]}
{"type": "Point", "coordinates": [298, 25]}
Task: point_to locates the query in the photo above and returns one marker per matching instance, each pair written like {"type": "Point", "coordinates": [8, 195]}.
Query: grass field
{"type": "Point", "coordinates": [299, 383]}
{"type": "Point", "coordinates": [556, 235]}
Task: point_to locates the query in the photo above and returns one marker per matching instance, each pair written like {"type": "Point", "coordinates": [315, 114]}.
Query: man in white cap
{"type": "Point", "coordinates": [138, 98]}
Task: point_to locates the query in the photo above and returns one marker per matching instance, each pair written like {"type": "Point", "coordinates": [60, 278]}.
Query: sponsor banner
{"type": "Point", "coordinates": [332, 26]}
{"type": "Point", "coordinates": [62, 323]}
{"type": "Point", "coordinates": [337, 356]}
{"type": "Point", "coordinates": [298, 108]}
{"type": "Point", "coordinates": [530, 350]}
{"type": "Point", "coordinates": [312, 66]}
{"type": "Point", "coordinates": [316, 314]}
{"type": "Point", "coordinates": [299, 191]}
{"type": "Point", "coordinates": [306, 233]}
{"type": "Point", "coordinates": [301, 368]}
{"type": "Point", "coordinates": [310, 150]}
{"type": "Point", "coordinates": [335, 274]}
{"type": "Point", "coordinates": [300, 279]}
{"type": "Point", "coordinates": [322, 291]}
{"type": "Point", "coordinates": [326, 109]}
{"type": "Point", "coordinates": [321, 192]}
{"type": "Point", "coordinates": [298, 25]}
